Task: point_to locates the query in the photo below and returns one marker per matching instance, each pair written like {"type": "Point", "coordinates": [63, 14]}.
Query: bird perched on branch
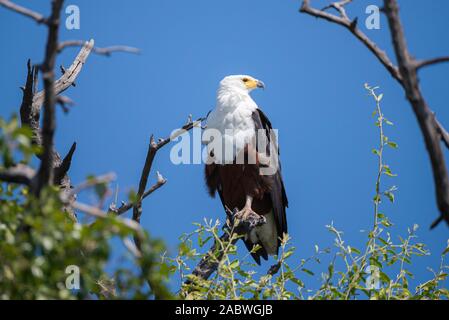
{"type": "Point", "coordinates": [243, 165]}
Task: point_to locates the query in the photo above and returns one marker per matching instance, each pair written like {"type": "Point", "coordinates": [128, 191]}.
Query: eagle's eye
{"type": "Point", "coordinates": [245, 79]}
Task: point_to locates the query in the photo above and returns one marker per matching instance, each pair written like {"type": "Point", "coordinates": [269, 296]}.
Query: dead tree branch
{"type": "Point", "coordinates": [106, 51]}
{"type": "Point", "coordinates": [31, 107]}
{"type": "Point", "coordinates": [444, 134]}
{"type": "Point", "coordinates": [69, 76]}
{"type": "Point", "coordinates": [98, 213]}
{"type": "Point", "coordinates": [94, 181]}
{"type": "Point", "coordinates": [20, 174]}
{"type": "Point", "coordinates": [152, 150]}
{"type": "Point", "coordinates": [351, 25]}
{"type": "Point", "coordinates": [340, 7]}
{"type": "Point", "coordinates": [209, 263]}
{"type": "Point", "coordinates": [46, 170]}
{"type": "Point", "coordinates": [233, 230]}
{"type": "Point", "coordinates": [23, 11]}
{"type": "Point", "coordinates": [406, 75]}
{"type": "Point", "coordinates": [32, 102]}
{"type": "Point", "coordinates": [430, 62]}
{"type": "Point", "coordinates": [62, 170]}
{"type": "Point", "coordinates": [127, 206]}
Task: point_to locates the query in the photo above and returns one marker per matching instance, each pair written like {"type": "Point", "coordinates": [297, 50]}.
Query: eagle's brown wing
{"type": "Point", "coordinates": [277, 191]}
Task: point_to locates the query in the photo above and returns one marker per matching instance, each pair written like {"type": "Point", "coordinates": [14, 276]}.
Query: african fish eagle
{"type": "Point", "coordinates": [242, 185]}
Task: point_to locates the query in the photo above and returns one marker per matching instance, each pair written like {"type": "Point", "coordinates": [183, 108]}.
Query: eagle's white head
{"type": "Point", "coordinates": [233, 114]}
{"type": "Point", "coordinates": [240, 84]}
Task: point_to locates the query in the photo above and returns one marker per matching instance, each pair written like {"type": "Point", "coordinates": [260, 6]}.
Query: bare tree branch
{"type": "Point", "coordinates": [444, 134]}
{"type": "Point", "coordinates": [106, 51]}
{"type": "Point", "coordinates": [152, 150]}
{"type": "Point", "coordinates": [94, 181]}
{"type": "Point", "coordinates": [45, 172]}
{"type": "Point", "coordinates": [233, 230]}
{"type": "Point", "coordinates": [98, 213]}
{"type": "Point", "coordinates": [406, 75]}
{"type": "Point", "coordinates": [424, 115]}
{"type": "Point", "coordinates": [32, 101]}
{"type": "Point", "coordinates": [20, 174]}
{"type": "Point", "coordinates": [23, 11]}
{"type": "Point", "coordinates": [210, 261]}
{"type": "Point", "coordinates": [64, 102]}
{"type": "Point", "coordinates": [352, 27]}
{"type": "Point", "coordinates": [340, 7]}
{"type": "Point", "coordinates": [127, 206]}
{"type": "Point", "coordinates": [69, 76]}
{"type": "Point", "coordinates": [425, 63]}
{"type": "Point", "coordinates": [62, 170]}
{"type": "Point", "coordinates": [31, 106]}
{"type": "Point", "coordinates": [28, 115]}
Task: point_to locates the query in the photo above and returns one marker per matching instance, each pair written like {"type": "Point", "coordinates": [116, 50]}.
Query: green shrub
{"type": "Point", "coordinates": [39, 243]}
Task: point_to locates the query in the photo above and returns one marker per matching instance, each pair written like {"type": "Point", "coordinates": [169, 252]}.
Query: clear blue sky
{"type": "Point", "coordinates": [314, 73]}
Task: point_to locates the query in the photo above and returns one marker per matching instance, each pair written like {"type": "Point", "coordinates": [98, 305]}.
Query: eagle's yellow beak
{"type": "Point", "coordinates": [254, 83]}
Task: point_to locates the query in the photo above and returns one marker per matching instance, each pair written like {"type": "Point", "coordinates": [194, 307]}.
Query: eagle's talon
{"type": "Point", "coordinates": [248, 216]}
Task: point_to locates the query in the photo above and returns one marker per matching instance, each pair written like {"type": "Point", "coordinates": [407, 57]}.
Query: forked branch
{"type": "Point", "coordinates": [406, 75]}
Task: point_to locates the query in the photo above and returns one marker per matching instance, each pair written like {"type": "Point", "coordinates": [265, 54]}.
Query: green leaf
{"type": "Point", "coordinates": [234, 264]}
{"type": "Point", "coordinates": [392, 144]}
{"type": "Point", "coordinates": [307, 271]}
{"type": "Point", "coordinates": [390, 196]}
{"type": "Point", "coordinates": [298, 282]}
{"type": "Point", "coordinates": [445, 251]}
{"type": "Point", "coordinates": [288, 254]}
{"type": "Point", "coordinates": [388, 171]}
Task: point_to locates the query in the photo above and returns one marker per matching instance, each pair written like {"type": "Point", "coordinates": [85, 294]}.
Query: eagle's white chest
{"type": "Point", "coordinates": [232, 119]}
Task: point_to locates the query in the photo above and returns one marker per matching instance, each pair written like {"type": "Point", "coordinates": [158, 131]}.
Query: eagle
{"type": "Point", "coordinates": [243, 164]}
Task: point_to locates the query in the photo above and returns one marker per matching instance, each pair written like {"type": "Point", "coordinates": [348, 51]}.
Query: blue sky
{"type": "Point", "coordinates": [314, 73]}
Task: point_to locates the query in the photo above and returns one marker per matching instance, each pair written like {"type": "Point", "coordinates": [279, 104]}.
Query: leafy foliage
{"type": "Point", "coordinates": [38, 243]}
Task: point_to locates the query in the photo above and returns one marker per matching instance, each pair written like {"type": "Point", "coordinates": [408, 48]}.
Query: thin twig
{"type": "Point", "coordinates": [23, 11]}
{"type": "Point", "coordinates": [127, 206]}
{"type": "Point", "coordinates": [340, 7]}
{"type": "Point", "coordinates": [94, 181]}
{"type": "Point", "coordinates": [444, 134]}
{"type": "Point", "coordinates": [352, 27]}
{"type": "Point", "coordinates": [100, 214]}
{"type": "Point", "coordinates": [106, 51]}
